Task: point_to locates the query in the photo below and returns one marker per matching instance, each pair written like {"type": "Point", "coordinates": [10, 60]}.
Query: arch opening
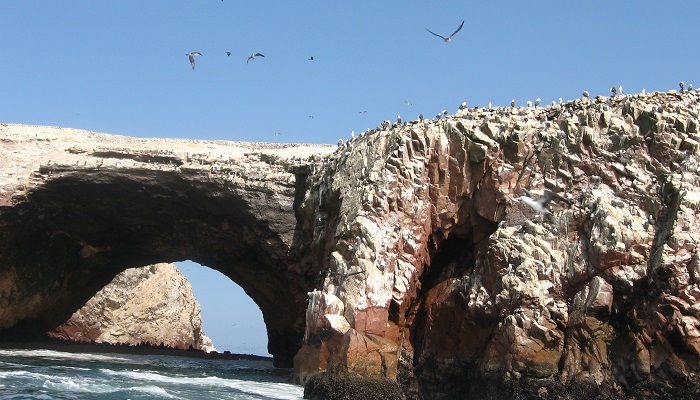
{"type": "Point", "coordinates": [68, 238]}
{"type": "Point", "coordinates": [230, 317]}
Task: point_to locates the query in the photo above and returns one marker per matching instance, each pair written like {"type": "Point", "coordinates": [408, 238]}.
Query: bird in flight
{"type": "Point", "coordinates": [191, 55]}
{"type": "Point", "coordinates": [540, 204]}
{"type": "Point", "coordinates": [228, 53]}
{"type": "Point", "coordinates": [447, 39]}
{"type": "Point", "coordinates": [252, 57]}
{"type": "Point", "coordinates": [311, 58]}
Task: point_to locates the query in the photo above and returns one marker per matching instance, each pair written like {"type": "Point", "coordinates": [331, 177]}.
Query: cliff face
{"type": "Point", "coordinates": [437, 275]}
{"type": "Point", "coordinates": [152, 304]}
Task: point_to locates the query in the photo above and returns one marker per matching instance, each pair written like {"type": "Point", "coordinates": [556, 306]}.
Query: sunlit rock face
{"type": "Point", "coordinates": [77, 208]}
{"type": "Point", "coordinates": [148, 305]}
{"type": "Point", "coordinates": [438, 276]}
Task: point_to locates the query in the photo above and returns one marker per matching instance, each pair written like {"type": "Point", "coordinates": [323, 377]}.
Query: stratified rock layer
{"type": "Point", "coordinates": [438, 276]}
{"type": "Point", "coordinates": [148, 305]}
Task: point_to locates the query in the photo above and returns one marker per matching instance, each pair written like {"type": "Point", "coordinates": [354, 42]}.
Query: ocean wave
{"type": "Point", "coordinates": [61, 355]}
{"type": "Point", "coordinates": [82, 386]}
{"type": "Point", "coordinates": [281, 391]}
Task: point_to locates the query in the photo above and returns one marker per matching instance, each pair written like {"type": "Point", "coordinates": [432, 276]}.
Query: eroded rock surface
{"type": "Point", "coordinates": [148, 305]}
{"type": "Point", "coordinates": [438, 276]}
{"type": "Point", "coordinates": [77, 208]}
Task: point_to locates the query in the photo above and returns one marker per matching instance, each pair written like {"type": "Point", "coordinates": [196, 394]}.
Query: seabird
{"type": "Point", "coordinates": [252, 56]}
{"type": "Point", "coordinates": [363, 111]}
{"type": "Point", "coordinates": [690, 86]}
{"type": "Point", "coordinates": [420, 117]}
{"type": "Point", "coordinates": [682, 85]}
{"type": "Point", "coordinates": [512, 103]}
{"type": "Point", "coordinates": [463, 106]}
{"type": "Point", "coordinates": [191, 55]}
{"type": "Point", "coordinates": [408, 103]}
{"type": "Point", "coordinates": [619, 90]}
{"type": "Point", "coordinates": [228, 53]}
{"type": "Point", "coordinates": [540, 204]}
{"type": "Point", "coordinates": [585, 94]}
{"type": "Point", "coordinates": [528, 104]}
{"type": "Point", "coordinates": [447, 39]}
{"type": "Point", "coordinates": [613, 91]}
{"type": "Point", "coordinates": [537, 102]}
{"type": "Point", "coordinates": [311, 58]}
{"type": "Point", "coordinates": [398, 119]}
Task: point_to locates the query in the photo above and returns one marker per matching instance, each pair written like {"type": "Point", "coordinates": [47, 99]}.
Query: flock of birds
{"type": "Point", "coordinates": [194, 54]}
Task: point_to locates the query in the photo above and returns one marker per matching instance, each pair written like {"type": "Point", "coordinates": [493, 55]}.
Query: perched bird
{"type": "Point", "coordinates": [613, 91]}
{"type": "Point", "coordinates": [252, 56]}
{"type": "Point", "coordinates": [228, 53]}
{"type": "Point", "coordinates": [620, 91]}
{"type": "Point", "coordinates": [540, 204]}
{"type": "Point", "coordinates": [447, 39]}
{"type": "Point", "coordinates": [512, 103]}
{"type": "Point", "coordinates": [463, 106]}
{"type": "Point", "coordinates": [682, 85]}
{"type": "Point", "coordinates": [191, 56]}
{"type": "Point", "coordinates": [537, 102]}
{"type": "Point", "coordinates": [421, 117]}
{"type": "Point", "coordinates": [585, 94]}
{"type": "Point", "coordinates": [528, 103]}
{"type": "Point", "coordinates": [398, 119]}
{"type": "Point", "coordinates": [690, 86]}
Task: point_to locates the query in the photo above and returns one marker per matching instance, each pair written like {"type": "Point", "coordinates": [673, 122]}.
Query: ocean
{"type": "Point", "coordinates": [50, 374]}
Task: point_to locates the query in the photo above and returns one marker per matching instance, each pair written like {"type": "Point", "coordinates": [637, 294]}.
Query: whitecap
{"type": "Point", "coordinates": [82, 386]}
{"type": "Point", "coordinates": [155, 391]}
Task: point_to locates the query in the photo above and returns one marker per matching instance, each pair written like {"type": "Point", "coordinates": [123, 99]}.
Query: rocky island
{"type": "Point", "coordinates": [523, 252]}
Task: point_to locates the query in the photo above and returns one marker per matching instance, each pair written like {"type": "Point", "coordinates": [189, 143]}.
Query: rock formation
{"type": "Point", "coordinates": [438, 277]}
{"type": "Point", "coordinates": [405, 264]}
{"type": "Point", "coordinates": [77, 208]}
{"type": "Point", "coordinates": [148, 305]}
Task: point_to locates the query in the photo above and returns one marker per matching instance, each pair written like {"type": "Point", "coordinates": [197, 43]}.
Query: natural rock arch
{"type": "Point", "coordinates": [89, 213]}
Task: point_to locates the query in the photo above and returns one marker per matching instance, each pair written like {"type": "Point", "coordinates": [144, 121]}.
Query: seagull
{"type": "Point", "coordinates": [191, 55]}
{"type": "Point", "coordinates": [228, 53]}
{"type": "Point", "coordinates": [447, 39]}
{"type": "Point", "coordinates": [252, 56]}
{"type": "Point", "coordinates": [540, 204]}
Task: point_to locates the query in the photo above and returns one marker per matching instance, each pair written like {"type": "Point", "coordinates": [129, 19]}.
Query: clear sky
{"type": "Point", "coordinates": [121, 67]}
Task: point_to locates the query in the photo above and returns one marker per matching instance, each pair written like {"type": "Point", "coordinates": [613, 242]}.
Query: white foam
{"type": "Point", "coordinates": [82, 386]}
{"type": "Point", "coordinates": [282, 391]}
{"type": "Point", "coordinates": [154, 390]}
{"type": "Point", "coordinates": [61, 355]}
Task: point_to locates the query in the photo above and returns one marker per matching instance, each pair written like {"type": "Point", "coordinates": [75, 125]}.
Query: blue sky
{"type": "Point", "coordinates": [120, 66]}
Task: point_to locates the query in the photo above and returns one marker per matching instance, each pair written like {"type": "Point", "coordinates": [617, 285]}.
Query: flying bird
{"type": "Point", "coordinates": [252, 57]}
{"type": "Point", "coordinates": [191, 56]}
{"type": "Point", "coordinates": [311, 58]}
{"type": "Point", "coordinates": [228, 53]}
{"type": "Point", "coordinates": [540, 204]}
{"type": "Point", "coordinates": [447, 39]}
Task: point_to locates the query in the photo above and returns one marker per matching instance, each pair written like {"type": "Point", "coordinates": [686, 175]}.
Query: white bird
{"type": "Point", "coordinates": [447, 39]}
{"type": "Point", "coordinates": [512, 103]}
{"type": "Point", "coordinates": [537, 102]}
{"type": "Point", "coordinates": [620, 91]}
{"type": "Point", "coordinates": [528, 104]}
{"type": "Point", "coordinates": [191, 56]}
{"type": "Point", "coordinates": [252, 56]}
{"type": "Point", "coordinates": [540, 204]}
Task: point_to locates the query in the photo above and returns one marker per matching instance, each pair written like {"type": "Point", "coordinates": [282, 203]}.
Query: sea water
{"type": "Point", "coordinates": [48, 374]}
